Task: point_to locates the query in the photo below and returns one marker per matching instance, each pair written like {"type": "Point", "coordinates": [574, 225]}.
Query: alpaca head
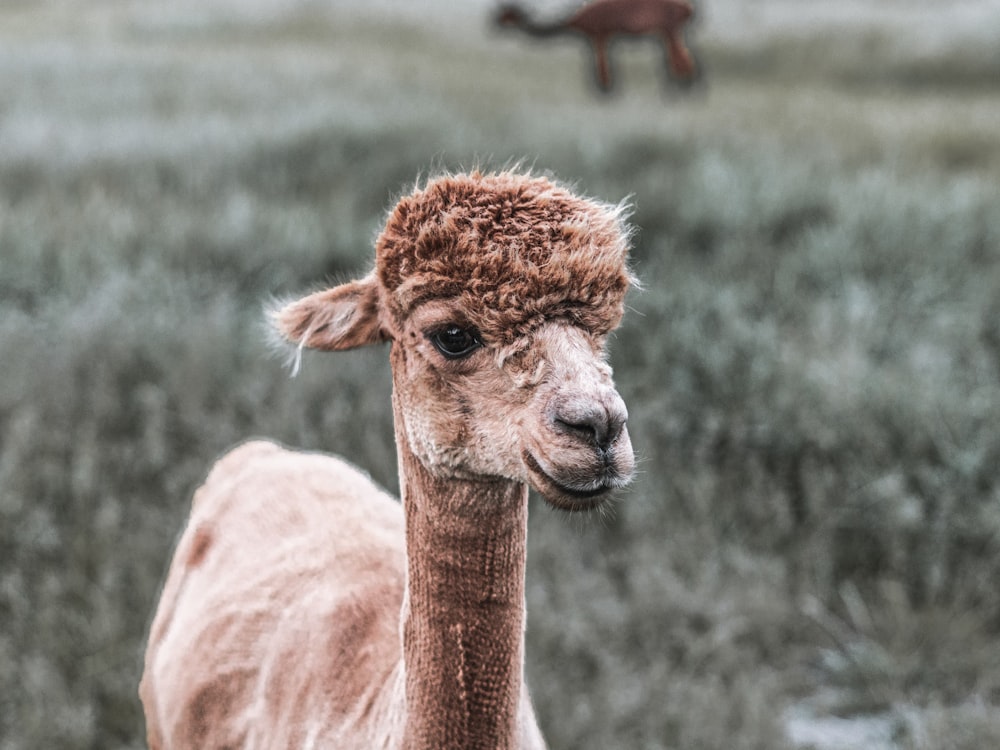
{"type": "Point", "coordinates": [510, 14]}
{"type": "Point", "coordinates": [497, 293]}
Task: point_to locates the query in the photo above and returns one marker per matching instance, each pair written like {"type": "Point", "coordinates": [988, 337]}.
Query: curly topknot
{"type": "Point", "coordinates": [514, 250]}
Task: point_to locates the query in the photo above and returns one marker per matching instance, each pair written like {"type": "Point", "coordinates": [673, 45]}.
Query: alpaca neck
{"type": "Point", "coordinates": [463, 616]}
{"type": "Point", "coordinates": [538, 29]}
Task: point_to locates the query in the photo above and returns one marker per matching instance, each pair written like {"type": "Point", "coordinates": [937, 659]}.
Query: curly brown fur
{"type": "Point", "coordinates": [513, 249]}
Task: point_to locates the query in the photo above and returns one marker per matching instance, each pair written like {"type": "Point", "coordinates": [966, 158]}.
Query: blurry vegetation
{"type": "Point", "coordinates": [813, 366]}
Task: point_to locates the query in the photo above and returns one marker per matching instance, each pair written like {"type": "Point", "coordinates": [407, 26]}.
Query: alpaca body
{"type": "Point", "coordinates": [636, 17]}
{"type": "Point", "coordinates": [306, 608]}
{"type": "Point", "coordinates": [601, 20]}
{"type": "Point", "coordinates": [318, 550]}
{"type": "Point", "coordinates": [282, 553]}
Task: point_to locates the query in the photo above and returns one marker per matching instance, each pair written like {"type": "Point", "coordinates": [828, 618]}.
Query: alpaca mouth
{"type": "Point", "coordinates": [564, 497]}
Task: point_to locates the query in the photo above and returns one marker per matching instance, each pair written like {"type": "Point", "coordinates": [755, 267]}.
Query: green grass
{"type": "Point", "coordinates": [812, 368]}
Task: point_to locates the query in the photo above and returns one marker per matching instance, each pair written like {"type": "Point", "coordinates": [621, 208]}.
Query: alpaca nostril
{"type": "Point", "coordinates": [587, 431]}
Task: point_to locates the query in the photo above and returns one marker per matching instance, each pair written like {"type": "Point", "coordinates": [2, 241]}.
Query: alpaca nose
{"type": "Point", "coordinates": [596, 421]}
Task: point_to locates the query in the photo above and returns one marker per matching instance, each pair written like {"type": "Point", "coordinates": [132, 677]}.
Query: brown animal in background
{"type": "Point", "coordinates": [306, 608]}
{"type": "Point", "coordinates": [601, 20]}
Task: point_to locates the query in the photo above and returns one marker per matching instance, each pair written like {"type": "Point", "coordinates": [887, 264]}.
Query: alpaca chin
{"type": "Point", "coordinates": [581, 484]}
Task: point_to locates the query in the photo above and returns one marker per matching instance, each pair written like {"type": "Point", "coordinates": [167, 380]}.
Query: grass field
{"type": "Point", "coordinates": [812, 368]}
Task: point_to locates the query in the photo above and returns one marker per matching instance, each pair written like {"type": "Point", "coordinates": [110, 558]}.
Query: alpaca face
{"type": "Point", "coordinates": [544, 412]}
{"type": "Point", "coordinates": [510, 15]}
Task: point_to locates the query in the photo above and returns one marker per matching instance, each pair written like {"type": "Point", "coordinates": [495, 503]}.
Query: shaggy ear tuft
{"type": "Point", "coordinates": [343, 317]}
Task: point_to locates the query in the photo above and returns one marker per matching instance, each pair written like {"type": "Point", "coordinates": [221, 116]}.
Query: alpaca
{"type": "Point", "coordinates": [600, 20]}
{"type": "Point", "coordinates": [304, 607]}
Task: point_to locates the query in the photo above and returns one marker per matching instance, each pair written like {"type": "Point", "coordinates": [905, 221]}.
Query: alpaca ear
{"type": "Point", "coordinates": [343, 317]}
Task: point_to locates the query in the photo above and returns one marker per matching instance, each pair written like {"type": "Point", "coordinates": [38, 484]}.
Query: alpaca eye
{"type": "Point", "coordinates": [455, 342]}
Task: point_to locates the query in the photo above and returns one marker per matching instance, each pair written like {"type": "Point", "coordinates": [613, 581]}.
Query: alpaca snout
{"type": "Point", "coordinates": [587, 452]}
{"type": "Point", "coordinates": [597, 421]}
